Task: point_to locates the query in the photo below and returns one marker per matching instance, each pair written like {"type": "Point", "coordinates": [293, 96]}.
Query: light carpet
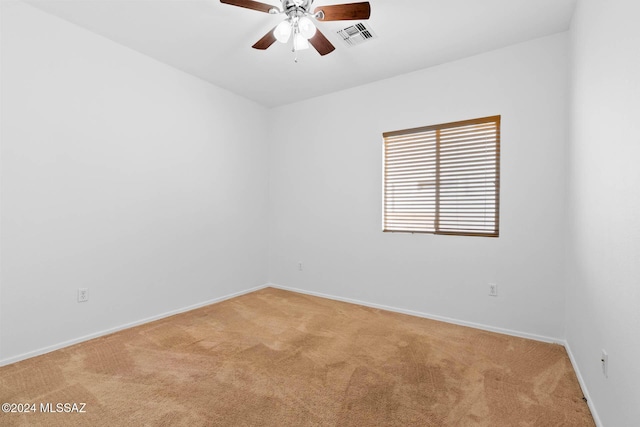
{"type": "Point", "coordinates": [279, 358]}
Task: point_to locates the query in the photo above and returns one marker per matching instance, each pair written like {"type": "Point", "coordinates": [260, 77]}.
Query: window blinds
{"type": "Point", "coordinates": [443, 179]}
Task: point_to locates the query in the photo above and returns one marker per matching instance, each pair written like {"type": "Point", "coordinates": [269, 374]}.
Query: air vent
{"type": "Point", "coordinates": [356, 34]}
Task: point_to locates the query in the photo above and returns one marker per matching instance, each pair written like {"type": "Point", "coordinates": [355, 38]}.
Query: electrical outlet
{"type": "Point", "coordinates": [83, 294]}
{"type": "Point", "coordinates": [604, 362]}
{"type": "Point", "coordinates": [493, 290]}
{"type": "Point", "coordinates": [299, 266]}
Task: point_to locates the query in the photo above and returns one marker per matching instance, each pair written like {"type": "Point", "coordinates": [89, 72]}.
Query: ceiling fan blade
{"type": "Point", "coordinates": [250, 4]}
{"type": "Point", "coordinates": [345, 12]}
{"type": "Point", "coordinates": [265, 41]}
{"type": "Point", "coordinates": [321, 44]}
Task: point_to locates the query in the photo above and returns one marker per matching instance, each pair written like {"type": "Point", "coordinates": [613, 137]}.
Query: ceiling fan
{"type": "Point", "coordinates": [298, 24]}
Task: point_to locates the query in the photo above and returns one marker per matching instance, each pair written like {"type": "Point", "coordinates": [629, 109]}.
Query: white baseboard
{"type": "Point", "coordinates": [68, 343]}
{"type": "Point", "coordinates": [583, 386]}
{"type": "Point", "coordinates": [427, 316]}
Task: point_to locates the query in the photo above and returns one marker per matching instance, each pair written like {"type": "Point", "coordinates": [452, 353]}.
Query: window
{"type": "Point", "coordinates": [443, 179]}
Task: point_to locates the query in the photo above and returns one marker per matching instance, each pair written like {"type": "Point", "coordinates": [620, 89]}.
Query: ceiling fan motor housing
{"type": "Point", "coordinates": [296, 7]}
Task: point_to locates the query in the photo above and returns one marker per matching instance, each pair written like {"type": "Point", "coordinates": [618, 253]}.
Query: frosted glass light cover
{"type": "Point", "coordinates": [283, 32]}
{"type": "Point", "coordinates": [307, 29]}
{"type": "Point", "coordinates": [299, 42]}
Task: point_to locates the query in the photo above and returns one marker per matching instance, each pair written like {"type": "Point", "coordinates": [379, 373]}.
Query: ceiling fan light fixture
{"type": "Point", "coordinates": [299, 25]}
{"type": "Point", "coordinates": [300, 42]}
{"type": "Point", "coordinates": [283, 31]}
{"type": "Point", "coordinates": [307, 29]}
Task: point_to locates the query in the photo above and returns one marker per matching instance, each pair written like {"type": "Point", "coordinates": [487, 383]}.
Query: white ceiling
{"type": "Point", "coordinates": [213, 41]}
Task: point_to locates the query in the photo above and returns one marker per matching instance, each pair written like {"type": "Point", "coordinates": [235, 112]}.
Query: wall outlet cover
{"type": "Point", "coordinates": [493, 289]}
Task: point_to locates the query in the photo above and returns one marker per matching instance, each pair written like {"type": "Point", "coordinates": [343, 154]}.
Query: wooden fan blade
{"type": "Point", "coordinates": [250, 4]}
{"type": "Point", "coordinates": [345, 12]}
{"type": "Point", "coordinates": [322, 45]}
{"type": "Point", "coordinates": [265, 41]}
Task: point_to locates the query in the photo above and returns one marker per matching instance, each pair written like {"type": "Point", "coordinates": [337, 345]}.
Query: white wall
{"type": "Point", "coordinates": [119, 174]}
{"type": "Point", "coordinates": [326, 178]}
{"type": "Point", "coordinates": [603, 297]}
